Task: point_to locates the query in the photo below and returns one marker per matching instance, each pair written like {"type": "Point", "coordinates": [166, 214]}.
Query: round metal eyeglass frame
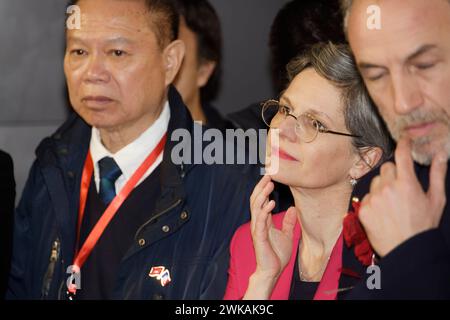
{"type": "Point", "coordinates": [298, 123]}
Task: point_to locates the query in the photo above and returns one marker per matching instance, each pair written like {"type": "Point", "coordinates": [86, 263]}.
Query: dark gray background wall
{"type": "Point", "coordinates": [32, 91]}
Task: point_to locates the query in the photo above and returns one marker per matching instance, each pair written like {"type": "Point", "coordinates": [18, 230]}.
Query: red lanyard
{"type": "Point", "coordinates": [105, 219]}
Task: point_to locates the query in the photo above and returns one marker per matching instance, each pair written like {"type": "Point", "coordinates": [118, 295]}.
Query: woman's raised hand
{"type": "Point", "coordinates": [273, 247]}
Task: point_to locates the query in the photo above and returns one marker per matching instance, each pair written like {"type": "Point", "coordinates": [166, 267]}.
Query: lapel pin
{"type": "Point", "coordinates": [161, 274]}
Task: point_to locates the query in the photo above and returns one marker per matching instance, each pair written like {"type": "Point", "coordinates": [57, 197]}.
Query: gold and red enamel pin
{"type": "Point", "coordinates": [161, 274]}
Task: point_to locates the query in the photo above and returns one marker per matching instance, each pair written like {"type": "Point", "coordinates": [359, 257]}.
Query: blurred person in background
{"type": "Point", "coordinates": [198, 80]}
{"type": "Point", "coordinates": [297, 26]}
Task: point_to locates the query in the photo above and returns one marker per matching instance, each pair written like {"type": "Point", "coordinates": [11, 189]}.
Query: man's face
{"type": "Point", "coordinates": [114, 67]}
{"type": "Point", "coordinates": [194, 72]}
{"type": "Point", "coordinates": [406, 68]}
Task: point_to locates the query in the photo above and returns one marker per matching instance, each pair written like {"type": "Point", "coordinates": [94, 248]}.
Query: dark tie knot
{"type": "Point", "coordinates": [109, 173]}
{"type": "Point", "coordinates": [109, 169]}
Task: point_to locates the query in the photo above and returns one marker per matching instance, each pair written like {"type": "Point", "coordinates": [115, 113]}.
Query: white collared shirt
{"type": "Point", "coordinates": [133, 155]}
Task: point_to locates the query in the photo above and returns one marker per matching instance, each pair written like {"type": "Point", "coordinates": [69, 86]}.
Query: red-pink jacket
{"type": "Point", "coordinates": [243, 264]}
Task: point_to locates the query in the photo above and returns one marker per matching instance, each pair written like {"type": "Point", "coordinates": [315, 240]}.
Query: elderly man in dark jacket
{"type": "Point", "coordinates": [108, 212]}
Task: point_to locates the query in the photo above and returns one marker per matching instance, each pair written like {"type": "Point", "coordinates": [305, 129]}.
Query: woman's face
{"type": "Point", "coordinates": [327, 160]}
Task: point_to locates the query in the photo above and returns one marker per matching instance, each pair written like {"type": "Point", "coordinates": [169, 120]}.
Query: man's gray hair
{"type": "Point", "coordinates": [335, 63]}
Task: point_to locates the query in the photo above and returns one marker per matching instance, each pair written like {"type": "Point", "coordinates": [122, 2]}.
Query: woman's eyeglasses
{"type": "Point", "coordinates": [306, 126]}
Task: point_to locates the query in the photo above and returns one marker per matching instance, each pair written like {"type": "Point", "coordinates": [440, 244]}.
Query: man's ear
{"type": "Point", "coordinates": [173, 58]}
{"type": "Point", "coordinates": [205, 70]}
{"type": "Point", "coordinates": [367, 159]}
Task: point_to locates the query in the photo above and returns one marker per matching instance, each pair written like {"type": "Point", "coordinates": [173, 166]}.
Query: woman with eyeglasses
{"type": "Point", "coordinates": [324, 136]}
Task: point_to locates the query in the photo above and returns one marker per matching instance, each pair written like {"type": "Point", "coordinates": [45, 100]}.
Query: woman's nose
{"type": "Point", "coordinates": [287, 129]}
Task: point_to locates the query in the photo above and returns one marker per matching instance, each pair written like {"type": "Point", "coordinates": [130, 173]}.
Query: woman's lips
{"type": "Point", "coordinates": [420, 130]}
{"type": "Point", "coordinates": [282, 154]}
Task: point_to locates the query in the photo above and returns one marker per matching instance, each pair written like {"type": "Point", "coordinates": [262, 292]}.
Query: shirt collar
{"type": "Point", "coordinates": [131, 156]}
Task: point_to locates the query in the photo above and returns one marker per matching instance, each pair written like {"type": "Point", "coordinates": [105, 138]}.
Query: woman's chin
{"type": "Point", "coordinates": [283, 177]}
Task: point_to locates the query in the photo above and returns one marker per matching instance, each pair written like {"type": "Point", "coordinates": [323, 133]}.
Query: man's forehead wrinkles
{"type": "Point", "coordinates": [112, 29]}
{"type": "Point", "coordinates": [116, 22]}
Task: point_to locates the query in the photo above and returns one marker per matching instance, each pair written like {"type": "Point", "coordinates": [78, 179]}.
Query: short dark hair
{"type": "Point", "coordinates": [299, 25]}
{"type": "Point", "coordinates": [335, 62]}
{"type": "Point", "coordinates": [203, 20]}
{"type": "Point", "coordinates": [165, 22]}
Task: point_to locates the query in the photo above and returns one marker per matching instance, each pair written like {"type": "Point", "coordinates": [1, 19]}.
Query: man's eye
{"type": "Point", "coordinates": [375, 77]}
{"type": "Point", "coordinates": [118, 53]}
{"type": "Point", "coordinates": [78, 52]}
{"type": "Point", "coordinates": [424, 66]}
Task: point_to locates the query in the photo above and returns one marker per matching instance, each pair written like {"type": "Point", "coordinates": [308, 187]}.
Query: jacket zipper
{"type": "Point", "coordinates": [156, 217]}
{"type": "Point", "coordinates": [54, 256]}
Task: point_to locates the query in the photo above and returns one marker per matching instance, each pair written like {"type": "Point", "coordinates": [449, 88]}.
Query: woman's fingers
{"type": "Point", "coordinates": [261, 206]}
{"type": "Point", "coordinates": [262, 198]}
{"type": "Point", "coordinates": [259, 187]}
{"type": "Point", "coordinates": [289, 221]}
{"type": "Point", "coordinates": [263, 221]}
